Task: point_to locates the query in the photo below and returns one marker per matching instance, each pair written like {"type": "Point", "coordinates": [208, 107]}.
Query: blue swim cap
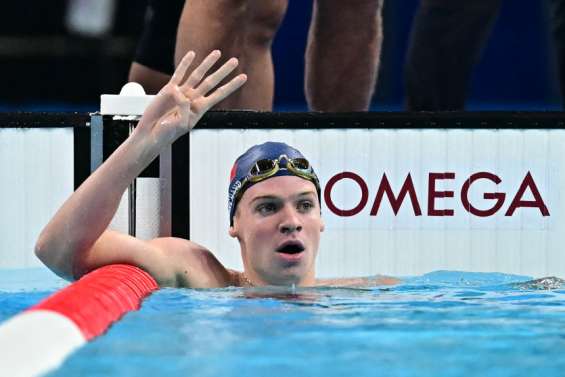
{"type": "Point", "coordinates": [267, 151]}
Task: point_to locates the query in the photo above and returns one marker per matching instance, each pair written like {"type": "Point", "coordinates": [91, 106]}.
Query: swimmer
{"type": "Point", "coordinates": [274, 202]}
{"type": "Point", "coordinates": [348, 32]}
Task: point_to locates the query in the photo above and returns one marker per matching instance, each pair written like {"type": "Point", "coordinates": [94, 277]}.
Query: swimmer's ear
{"type": "Point", "coordinates": [233, 231]}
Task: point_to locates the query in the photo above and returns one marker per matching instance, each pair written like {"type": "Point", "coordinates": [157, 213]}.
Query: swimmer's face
{"type": "Point", "coordinates": [278, 225]}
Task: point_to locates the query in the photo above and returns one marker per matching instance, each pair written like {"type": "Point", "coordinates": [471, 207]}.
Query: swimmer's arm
{"type": "Point", "coordinates": [84, 217]}
{"type": "Point", "coordinates": [86, 214]}
{"type": "Point", "coordinates": [172, 262]}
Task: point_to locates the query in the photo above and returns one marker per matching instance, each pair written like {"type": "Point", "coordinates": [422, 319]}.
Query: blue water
{"type": "Point", "coordinates": [439, 324]}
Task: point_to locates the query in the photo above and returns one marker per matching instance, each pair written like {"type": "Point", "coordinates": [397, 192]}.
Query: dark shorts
{"type": "Point", "coordinates": [156, 47]}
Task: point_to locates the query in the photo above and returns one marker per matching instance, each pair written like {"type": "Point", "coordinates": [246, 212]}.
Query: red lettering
{"type": "Point", "coordinates": [407, 188]}
{"type": "Point", "coordinates": [364, 194]}
{"type": "Point", "coordinates": [517, 202]}
{"type": "Point", "coordinates": [498, 196]}
{"type": "Point", "coordinates": [433, 194]}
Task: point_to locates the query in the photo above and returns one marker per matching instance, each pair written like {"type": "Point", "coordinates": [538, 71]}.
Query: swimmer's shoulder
{"type": "Point", "coordinates": [369, 281]}
{"type": "Point", "coordinates": [192, 265]}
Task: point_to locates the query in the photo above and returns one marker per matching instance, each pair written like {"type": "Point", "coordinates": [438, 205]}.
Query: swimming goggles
{"type": "Point", "coordinates": [266, 168]}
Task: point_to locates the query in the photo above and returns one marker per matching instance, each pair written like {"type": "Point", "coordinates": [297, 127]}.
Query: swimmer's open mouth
{"type": "Point", "coordinates": [292, 247]}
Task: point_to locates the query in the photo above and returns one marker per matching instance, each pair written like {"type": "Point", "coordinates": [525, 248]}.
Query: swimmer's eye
{"type": "Point", "coordinates": [266, 208]}
{"type": "Point", "coordinates": [305, 205]}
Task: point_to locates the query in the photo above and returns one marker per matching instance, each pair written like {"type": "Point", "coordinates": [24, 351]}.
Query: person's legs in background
{"type": "Point", "coordinates": [241, 28]}
{"type": "Point", "coordinates": [342, 56]}
{"type": "Point", "coordinates": [150, 79]}
{"type": "Point", "coordinates": [153, 63]}
{"type": "Point", "coordinates": [446, 42]}
{"type": "Point", "coordinates": [558, 31]}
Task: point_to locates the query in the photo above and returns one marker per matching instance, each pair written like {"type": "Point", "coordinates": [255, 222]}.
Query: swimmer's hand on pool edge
{"type": "Point", "coordinates": [77, 239]}
{"type": "Point", "coordinates": [179, 105]}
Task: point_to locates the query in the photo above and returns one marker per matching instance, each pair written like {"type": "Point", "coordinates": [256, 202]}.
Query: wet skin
{"type": "Point", "coordinates": [278, 224]}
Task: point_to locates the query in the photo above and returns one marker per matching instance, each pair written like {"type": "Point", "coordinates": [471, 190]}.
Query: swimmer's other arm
{"type": "Point", "coordinates": [76, 240]}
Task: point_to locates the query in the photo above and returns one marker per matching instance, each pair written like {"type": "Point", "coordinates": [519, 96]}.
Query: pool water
{"type": "Point", "coordinates": [439, 324]}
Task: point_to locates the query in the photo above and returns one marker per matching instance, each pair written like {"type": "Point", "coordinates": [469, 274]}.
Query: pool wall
{"type": "Point", "coordinates": [482, 191]}
{"type": "Point", "coordinates": [36, 176]}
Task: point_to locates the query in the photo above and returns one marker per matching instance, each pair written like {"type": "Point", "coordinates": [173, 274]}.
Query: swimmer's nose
{"type": "Point", "coordinates": [288, 228]}
{"type": "Point", "coordinates": [290, 221]}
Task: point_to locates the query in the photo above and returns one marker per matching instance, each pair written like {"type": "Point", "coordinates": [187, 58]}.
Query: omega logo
{"type": "Point", "coordinates": [408, 192]}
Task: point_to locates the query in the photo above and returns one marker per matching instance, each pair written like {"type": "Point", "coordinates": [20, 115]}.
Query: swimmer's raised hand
{"type": "Point", "coordinates": [77, 238]}
{"type": "Point", "coordinates": [181, 103]}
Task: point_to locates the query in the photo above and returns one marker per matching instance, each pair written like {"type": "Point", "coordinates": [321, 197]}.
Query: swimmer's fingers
{"type": "Point", "coordinates": [180, 72]}
{"type": "Point", "coordinates": [200, 71]}
{"type": "Point", "coordinates": [224, 91]}
{"type": "Point", "coordinates": [215, 78]}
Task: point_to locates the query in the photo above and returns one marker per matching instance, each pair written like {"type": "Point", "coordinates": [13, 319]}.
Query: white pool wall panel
{"type": "Point", "coordinates": [36, 177]}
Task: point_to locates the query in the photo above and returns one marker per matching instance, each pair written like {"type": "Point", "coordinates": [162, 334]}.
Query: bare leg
{"type": "Point", "coordinates": [153, 62]}
{"type": "Point", "coordinates": [342, 56]}
{"type": "Point", "coordinates": [151, 80]}
{"type": "Point", "coordinates": [241, 28]}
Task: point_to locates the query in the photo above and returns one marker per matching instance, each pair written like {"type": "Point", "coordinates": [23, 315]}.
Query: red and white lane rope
{"type": "Point", "coordinates": [40, 338]}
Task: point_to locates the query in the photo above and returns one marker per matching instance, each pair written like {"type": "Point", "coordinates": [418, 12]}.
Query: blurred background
{"type": "Point", "coordinates": [54, 58]}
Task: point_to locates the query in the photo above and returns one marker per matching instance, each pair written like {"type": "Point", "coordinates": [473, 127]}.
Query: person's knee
{"type": "Point", "coordinates": [205, 25]}
{"type": "Point", "coordinates": [266, 17]}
